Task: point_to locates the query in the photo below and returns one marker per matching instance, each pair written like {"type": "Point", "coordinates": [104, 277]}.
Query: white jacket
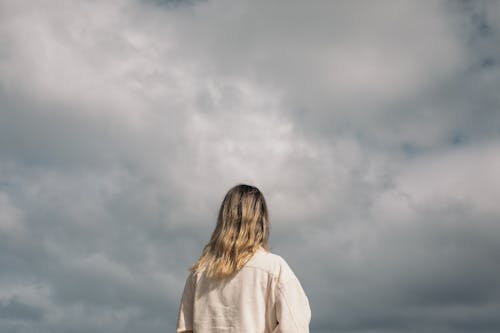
{"type": "Point", "coordinates": [265, 296]}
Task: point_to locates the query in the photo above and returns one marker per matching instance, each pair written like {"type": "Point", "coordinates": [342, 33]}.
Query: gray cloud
{"type": "Point", "coordinates": [12, 308]}
{"type": "Point", "coordinates": [372, 130]}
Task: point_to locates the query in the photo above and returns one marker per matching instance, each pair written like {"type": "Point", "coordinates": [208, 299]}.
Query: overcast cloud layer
{"type": "Point", "coordinates": [373, 129]}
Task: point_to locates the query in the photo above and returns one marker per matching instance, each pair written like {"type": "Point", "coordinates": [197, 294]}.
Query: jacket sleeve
{"type": "Point", "coordinates": [292, 307]}
{"type": "Point", "coordinates": [185, 314]}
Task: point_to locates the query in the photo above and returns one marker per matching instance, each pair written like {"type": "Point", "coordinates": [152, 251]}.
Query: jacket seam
{"type": "Point", "coordinates": [285, 298]}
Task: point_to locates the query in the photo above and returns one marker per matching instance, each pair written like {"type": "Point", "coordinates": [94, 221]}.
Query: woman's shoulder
{"type": "Point", "coordinates": [274, 264]}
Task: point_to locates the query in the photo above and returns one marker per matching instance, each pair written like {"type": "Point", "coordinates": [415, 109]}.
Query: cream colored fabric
{"type": "Point", "coordinates": [265, 296]}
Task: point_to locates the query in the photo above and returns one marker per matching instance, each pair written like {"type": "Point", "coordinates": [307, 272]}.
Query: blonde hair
{"type": "Point", "coordinates": [242, 227]}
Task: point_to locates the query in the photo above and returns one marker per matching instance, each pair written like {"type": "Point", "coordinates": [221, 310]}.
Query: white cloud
{"type": "Point", "coordinates": [466, 175]}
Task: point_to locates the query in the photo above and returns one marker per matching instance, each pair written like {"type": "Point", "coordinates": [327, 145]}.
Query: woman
{"type": "Point", "coordinates": [237, 284]}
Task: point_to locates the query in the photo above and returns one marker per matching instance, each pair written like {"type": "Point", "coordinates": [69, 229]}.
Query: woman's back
{"type": "Point", "coordinates": [263, 296]}
{"type": "Point", "coordinates": [237, 285]}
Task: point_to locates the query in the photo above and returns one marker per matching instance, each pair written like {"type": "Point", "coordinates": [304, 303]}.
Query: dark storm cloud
{"type": "Point", "coordinates": [372, 130]}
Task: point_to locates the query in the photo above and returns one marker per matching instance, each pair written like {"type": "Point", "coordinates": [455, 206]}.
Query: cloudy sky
{"type": "Point", "coordinates": [372, 128]}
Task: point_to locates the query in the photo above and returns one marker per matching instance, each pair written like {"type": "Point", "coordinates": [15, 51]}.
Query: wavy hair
{"type": "Point", "coordinates": [242, 227]}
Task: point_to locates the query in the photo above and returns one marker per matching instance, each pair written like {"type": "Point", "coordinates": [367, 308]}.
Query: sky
{"type": "Point", "coordinates": [372, 129]}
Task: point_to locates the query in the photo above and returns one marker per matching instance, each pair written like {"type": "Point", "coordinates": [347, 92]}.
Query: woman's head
{"type": "Point", "coordinates": [242, 227]}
